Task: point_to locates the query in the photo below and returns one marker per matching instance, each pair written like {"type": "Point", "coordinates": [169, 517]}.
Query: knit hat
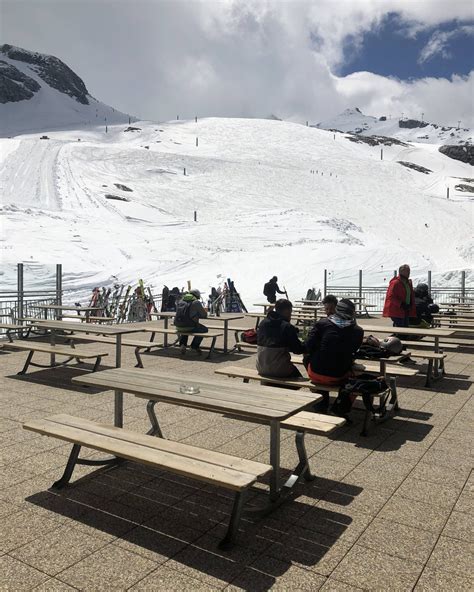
{"type": "Point", "coordinates": [195, 293]}
{"type": "Point", "coordinates": [345, 309]}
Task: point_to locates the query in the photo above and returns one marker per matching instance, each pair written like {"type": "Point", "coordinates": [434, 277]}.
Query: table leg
{"type": "Point", "coordinates": [53, 342]}
{"type": "Point", "coordinates": [275, 459]}
{"type": "Point", "coordinates": [165, 336]}
{"type": "Point", "coordinates": [226, 326]}
{"type": "Point", "coordinates": [383, 367]}
{"type": "Point", "coordinates": [118, 396]}
{"type": "Point", "coordinates": [436, 362]}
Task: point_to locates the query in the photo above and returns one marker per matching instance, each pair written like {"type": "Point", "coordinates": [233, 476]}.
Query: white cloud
{"type": "Point", "coordinates": [160, 58]}
{"type": "Point", "coordinates": [439, 41]}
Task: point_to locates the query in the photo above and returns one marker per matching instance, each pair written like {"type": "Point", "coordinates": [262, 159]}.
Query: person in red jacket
{"type": "Point", "coordinates": [400, 298]}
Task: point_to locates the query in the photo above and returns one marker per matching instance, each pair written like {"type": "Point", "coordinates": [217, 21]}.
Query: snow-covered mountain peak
{"type": "Point", "coordinates": [40, 92]}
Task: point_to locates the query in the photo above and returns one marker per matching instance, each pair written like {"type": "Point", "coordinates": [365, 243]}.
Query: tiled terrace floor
{"type": "Point", "coordinates": [394, 511]}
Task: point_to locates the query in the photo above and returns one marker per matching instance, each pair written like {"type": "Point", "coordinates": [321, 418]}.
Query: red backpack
{"type": "Point", "coordinates": [249, 336]}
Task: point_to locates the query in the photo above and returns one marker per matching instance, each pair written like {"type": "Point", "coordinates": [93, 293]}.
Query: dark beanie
{"type": "Point", "coordinates": [345, 309]}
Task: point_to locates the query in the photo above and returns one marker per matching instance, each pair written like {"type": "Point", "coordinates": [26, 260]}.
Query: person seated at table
{"type": "Point", "coordinates": [329, 304]}
{"type": "Point", "coordinates": [276, 339]}
{"type": "Point", "coordinates": [188, 313]}
{"type": "Point", "coordinates": [400, 298]}
{"type": "Point", "coordinates": [425, 308]}
{"type": "Point", "coordinates": [331, 345]}
{"type": "Point", "coordinates": [271, 288]}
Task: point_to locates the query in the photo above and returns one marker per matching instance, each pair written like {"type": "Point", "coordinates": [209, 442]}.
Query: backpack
{"type": "Point", "coordinates": [366, 386]}
{"type": "Point", "coordinates": [267, 289]}
{"type": "Point", "coordinates": [182, 317]}
{"type": "Point", "coordinates": [249, 336]}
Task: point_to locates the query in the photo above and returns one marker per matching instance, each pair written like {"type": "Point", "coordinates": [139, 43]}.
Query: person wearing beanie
{"type": "Point", "coordinates": [425, 308]}
{"type": "Point", "coordinates": [331, 345]}
{"type": "Point", "coordinates": [188, 313]}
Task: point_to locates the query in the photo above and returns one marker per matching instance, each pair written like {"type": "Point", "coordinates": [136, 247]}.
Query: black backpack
{"type": "Point", "coordinates": [182, 317]}
{"type": "Point", "coordinates": [267, 289]}
{"type": "Point", "coordinates": [366, 386]}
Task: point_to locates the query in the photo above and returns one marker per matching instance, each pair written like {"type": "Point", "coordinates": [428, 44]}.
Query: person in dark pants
{"type": "Point", "coordinates": [425, 307]}
{"type": "Point", "coordinates": [331, 345]}
{"type": "Point", "coordinates": [188, 313]}
{"type": "Point", "coordinates": [400, 298]}
{"type": "Point", "coordinates": [271, 288]}
{"type": "Point", "coordinates": [277, 338]}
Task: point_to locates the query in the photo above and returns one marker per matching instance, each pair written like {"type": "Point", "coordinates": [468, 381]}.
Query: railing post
{"type": "Point", "coordinates": [360, 283]}
{"type": "Point", "coordinates": [59, 288]}
{"type": "Point", "coordinates": [463, 285]}
{"type": "Point", "coordinates": [325, 284]}
{"type": "Point", "coordinates": [429, 282]}
{"type": "Point", "coordinates": [20, 293]}
{"type": "Point", "coordinates": [394, 273]}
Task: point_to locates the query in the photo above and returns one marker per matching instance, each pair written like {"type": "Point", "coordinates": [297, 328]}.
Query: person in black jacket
{"type": "Point", "coordinates": [332, 344]}
{"type": "Point", "coordinates": [425, 308]}
{"type": "Point", "coordinates": [276, 338]}
{"type": "Point", "coordinates": [271, 288]}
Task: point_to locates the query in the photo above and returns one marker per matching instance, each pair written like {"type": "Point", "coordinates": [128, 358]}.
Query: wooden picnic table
{"type": "Point", "coordinates": [431, 332]}
{"type": "Point", "coordinates": [15, 328]}
{"type": "Point", "coordinates": [257, 402]}
{"type": "Point", "coordinates": [112, 330]}
{"type": "Point", "coordinates": [225, 318]}
{"type": "Point", "coordinates": [59, 308]}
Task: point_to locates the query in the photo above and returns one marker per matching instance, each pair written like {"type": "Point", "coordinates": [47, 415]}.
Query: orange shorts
{"type": "Point", "coordinates": [328, 380]}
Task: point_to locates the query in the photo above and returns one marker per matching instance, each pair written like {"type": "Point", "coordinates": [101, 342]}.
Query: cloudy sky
{"type": "Point", "coordinates": [300, 60]}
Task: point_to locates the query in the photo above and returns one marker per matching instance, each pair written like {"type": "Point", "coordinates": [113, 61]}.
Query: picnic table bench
{"type": "Point", "coordinates": [13, 328]}
{"type": "Point", "coordinates": [223, 470]}
{"type": "Point", "coordinates": [54, 350]}
{"type": "Point", "coordinates": [89, 318]}
{"type": "Point", "coordinates": [388, 400]}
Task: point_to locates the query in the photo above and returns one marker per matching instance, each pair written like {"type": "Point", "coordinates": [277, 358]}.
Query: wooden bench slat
{"type": "Point", "coordinates": [60, 350]}
{"type": "Point", "coordinates": [147, 454]}
{"type": "Point", "coordinates": [185, 450]}
{"type": "Point", "coordinates": [111, 340]}
{"type": "Point", "coordinates": [313, 422]}
{"type": "Point", "coordinates": [429, 344]}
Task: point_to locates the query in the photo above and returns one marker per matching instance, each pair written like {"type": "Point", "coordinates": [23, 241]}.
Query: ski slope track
{"type": "Point", "coordinates": [261, 210]}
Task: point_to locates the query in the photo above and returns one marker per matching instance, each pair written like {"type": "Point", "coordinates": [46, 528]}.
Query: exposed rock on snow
{"type": "Point", "coordinates": [464, 188]}
{"type": "Point", "coordinates": [411, 123]}
{"type": "Point", "coordinates": [117, 197]}
{"type": "Point", "coordinates": [122, 187]}
{"type": "Point", "coordinates": [376, 140]}
{"type": "Point", "coordinates": [14, 85]}
{"type": "Point", "coordinates": [415, 167]}
{"type": "Point", "coordinates": [463, 153]}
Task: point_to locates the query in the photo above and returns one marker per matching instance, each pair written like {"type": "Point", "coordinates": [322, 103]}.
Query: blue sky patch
{"type": "Point", "coordinates": [389, 50]}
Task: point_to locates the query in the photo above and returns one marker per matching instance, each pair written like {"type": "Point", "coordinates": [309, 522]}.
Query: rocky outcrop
{"type": "Point", "coordinates": [415, 167]}
{"type": "Point", "coordinates": [411, 123]}
{"type": "Point", "coordinates": [50, 69]}
{"type": "Point", "coordinates": [463, 153]}
{"type": "Point", "coordinates": [375, 140]}
{"type": "Point", "coordinates": [465, 188]}
{"type": "Point", "coordinates": [14, 85]}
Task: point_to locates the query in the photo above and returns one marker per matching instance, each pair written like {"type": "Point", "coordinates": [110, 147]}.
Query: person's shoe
{"type": "Point", "coordinates": [198, 350]}
{"type": "Point", "coordinates": [182, 349]}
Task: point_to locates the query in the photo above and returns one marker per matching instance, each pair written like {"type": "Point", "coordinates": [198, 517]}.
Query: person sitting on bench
{"type": "Point", "coordinates": [425, 308]}
{"type": "Point", "coordinates": [276, 338]}
{"type": "Point", "coordinates": [331, 346]}
{"type": "Point", "coordinates": [188, 312]}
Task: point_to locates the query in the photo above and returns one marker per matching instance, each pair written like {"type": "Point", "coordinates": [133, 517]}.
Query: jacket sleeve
{"type": "Point", "coordinates": [314, 338]}
{"type": "Point", "coordinates": [357, 339]}
{"type": "Point", "coordinates": [198, 311]}
{"type": "Point", "coordinates": [293, 342]}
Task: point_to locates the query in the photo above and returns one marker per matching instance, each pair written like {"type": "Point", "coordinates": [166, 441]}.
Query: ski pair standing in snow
{"type": "Point", "coordinates": [271, 288]}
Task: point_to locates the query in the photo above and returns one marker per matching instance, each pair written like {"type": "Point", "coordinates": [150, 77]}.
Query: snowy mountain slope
{"type": "Point", "coordinates": [261, 209]}
{"type": "Point", "coordinates": [39, 92]}
{"type": "Point", "coordinates": [408, 130]}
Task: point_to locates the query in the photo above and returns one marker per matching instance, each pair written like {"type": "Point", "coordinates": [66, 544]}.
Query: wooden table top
{"type": "Point", "coordinates": [406, 330]}
{"type": "Point", "coordinates": [261, 402]}
{"type": "Point", "coordinates": [88, 327]}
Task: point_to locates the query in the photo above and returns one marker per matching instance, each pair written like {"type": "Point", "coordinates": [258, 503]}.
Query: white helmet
{"type": "Point", "coordinates": [392, 345]}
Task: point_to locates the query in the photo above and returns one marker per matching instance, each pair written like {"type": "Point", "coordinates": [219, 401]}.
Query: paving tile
{"type": "Point", "coordinates": [15, 576]}
{"type": "Point", "coordinates": [414, 513]}
{"type": "Point", "coordinates": [150, 544]}
{"type": "Point", "coordinates": [22, 527]}
{"type": "Point", "coordinates": [465, 503]}
{"type": "Point", "coordinates": [460, 526]}
{"type": "Point", "coordinates": [110, 568]}
{"type": "Point", "coordinates": [371, 570]}
{"type": "Point", "coordinates": [54, 585]}
{"type": "Point", "coordinates": [440, 474]}
{"type": "Point", "coordinates": [453, 556]}
{"type": "Point", "coordinates": [170, 580]}
{"type": "Point", "coordinates": [366, 501]}
{"type": "Point", "coordinates": [400, 540]}
{"type": "Point", "coordinates": [47, 552]}
{"type": "Point", "coordinates": [430, 493]}
{"type": "Point", "coordinates": [333, 585]}
{"type": "Point", "coordinates": [435, 580]}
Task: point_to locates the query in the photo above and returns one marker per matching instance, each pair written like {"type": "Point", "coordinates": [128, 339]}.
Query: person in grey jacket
{"type": "Point", "coordinates": [276, 339]}
{"type": "Point", "coordinates": [188, 313]}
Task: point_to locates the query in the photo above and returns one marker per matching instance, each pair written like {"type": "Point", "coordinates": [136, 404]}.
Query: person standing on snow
{"type": "Point", "coordinates": [271, 288]}
{"type": "Point", "coordinates": [400, 298]}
